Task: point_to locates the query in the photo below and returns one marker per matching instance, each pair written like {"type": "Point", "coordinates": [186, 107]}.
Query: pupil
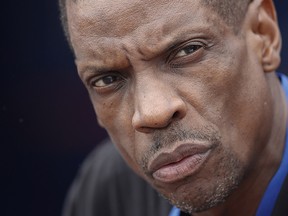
{"type": "Point", "coordinates": [109, 79]}
{"type": "Point", "coordinates": [190, 49]}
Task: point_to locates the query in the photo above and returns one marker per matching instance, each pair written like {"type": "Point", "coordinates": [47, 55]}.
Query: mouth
{"type": "Point", "coordinates": [184, 161]}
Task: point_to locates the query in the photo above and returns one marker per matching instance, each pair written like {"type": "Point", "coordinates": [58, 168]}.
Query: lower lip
{"type": "Point", "coordinates": [176, 171]}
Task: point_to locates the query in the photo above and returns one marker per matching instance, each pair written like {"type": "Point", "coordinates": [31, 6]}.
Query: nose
{"type": "Point", "coordinates": [157, 104]}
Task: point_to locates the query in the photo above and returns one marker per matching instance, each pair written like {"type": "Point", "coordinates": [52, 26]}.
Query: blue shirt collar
{"type": "Point", "coordinates": [270, 197]}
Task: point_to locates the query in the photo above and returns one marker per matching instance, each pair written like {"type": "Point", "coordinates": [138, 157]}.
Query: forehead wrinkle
{"type": "Point", "coordinates": [103, 65]}
{"type": "Point", "coordinates": [161, 34]}
{"type": "Point", "coordinates": [108, 20]}
{"type": "Point", "coordinates": [103, 53]}
{"type": "Point", "coordinates": [121, 17]}
{"type": "Point", "coordinates": [151, 40]}
{"type": "Point", "coordinates": [152, 34]}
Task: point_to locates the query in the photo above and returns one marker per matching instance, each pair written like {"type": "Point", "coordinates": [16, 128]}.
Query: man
{"type": "Point", "coordinates": [187, 91]}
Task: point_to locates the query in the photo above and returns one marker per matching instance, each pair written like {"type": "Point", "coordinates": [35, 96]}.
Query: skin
{"type": "Point", "coordinates": [161, 74]}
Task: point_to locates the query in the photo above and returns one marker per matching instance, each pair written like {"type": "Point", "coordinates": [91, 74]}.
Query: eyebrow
{"type": "Point", "coordinates": [98, 67]}
{"type": "Point", "coordinates": [171, 41]}
{"type": "Point", "coordinates": [164, 45]}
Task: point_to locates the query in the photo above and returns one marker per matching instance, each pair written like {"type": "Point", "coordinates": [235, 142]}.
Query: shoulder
{"type": "Point", "coordinates": [105, 185]}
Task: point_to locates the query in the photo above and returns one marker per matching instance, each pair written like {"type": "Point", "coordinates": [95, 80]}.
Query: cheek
{"type": "Point", "coordinates": [228, 96]}
{"type": "Point", "coordinates": [212, 87]}
{"type": "Point", "coordinates": [116, 119]}
{"type": "Point", "coordinates": [247, 115]}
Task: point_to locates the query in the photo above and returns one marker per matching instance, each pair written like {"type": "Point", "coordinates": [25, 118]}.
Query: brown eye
{"type": "Point", "coordinates": [106, 81]}
{"type": "Point", "coordinates": [188, 50]}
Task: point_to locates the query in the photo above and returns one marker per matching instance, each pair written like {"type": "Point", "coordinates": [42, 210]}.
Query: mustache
{"type": "Point", "coordinates": [176, 133]}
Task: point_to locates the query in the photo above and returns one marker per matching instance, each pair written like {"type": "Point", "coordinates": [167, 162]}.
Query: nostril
{"type": "Point", "coordinates": [176, 115]}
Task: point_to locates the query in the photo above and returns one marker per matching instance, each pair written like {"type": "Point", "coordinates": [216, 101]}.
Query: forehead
{"type": "Point", "coordinates": [102, 28]}
{"type": "Point", "coordinates": [120, 17]}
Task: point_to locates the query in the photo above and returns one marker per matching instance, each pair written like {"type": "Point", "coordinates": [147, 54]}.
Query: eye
{"type": "Point", "coordinates": [188, 50]}
{"type": "Point", "coordinates": [106, 81]}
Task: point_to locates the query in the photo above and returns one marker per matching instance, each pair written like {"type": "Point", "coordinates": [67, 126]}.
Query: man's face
{"type": "Point", "coordinates": [181, 95]}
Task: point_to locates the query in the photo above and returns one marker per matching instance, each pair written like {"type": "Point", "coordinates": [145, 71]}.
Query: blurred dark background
{"type": "Point", "coordinates": [47, 122]}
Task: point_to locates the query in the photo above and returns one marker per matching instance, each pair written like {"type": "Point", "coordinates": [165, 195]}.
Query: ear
{"type": "Point", "coordinates": [265, 26]}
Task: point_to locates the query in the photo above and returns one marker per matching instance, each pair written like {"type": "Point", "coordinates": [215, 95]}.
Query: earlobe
{"type": "Point", "coordinates": [269, 33]}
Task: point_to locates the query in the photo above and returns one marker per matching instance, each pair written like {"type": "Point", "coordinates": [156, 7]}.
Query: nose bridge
{"type": "Point", "coordinates": [150, 95]}
{"type": "Point", "coordinates": [156, 102]}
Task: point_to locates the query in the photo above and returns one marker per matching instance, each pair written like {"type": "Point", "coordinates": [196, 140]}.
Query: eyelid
{"type": "Point", "coordinates": [94, 81]}
{"type": "Point", "coordinates": [188, 43]}
{"type": "Point", "coordinates": [179, 48]}
{"type": "Point", "coordinates": [109, 88]}
{"type": "Point", "coordinates": [89, 74]}
{"type": "Point", "coordinates": [101, 74]}
{"type": "Point", "coordinates": [177, 55]}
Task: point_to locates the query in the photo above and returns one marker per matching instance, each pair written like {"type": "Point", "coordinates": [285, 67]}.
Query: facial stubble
{"type": "Point", "coordinates": [211, 185]}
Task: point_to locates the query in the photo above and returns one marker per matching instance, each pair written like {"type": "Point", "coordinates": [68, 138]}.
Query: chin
{"type": "Point", "coordinates": [206, 189]}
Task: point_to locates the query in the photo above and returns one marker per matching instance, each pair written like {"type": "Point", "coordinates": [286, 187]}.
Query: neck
{"type": "Point", "coordinates": [245, 200]}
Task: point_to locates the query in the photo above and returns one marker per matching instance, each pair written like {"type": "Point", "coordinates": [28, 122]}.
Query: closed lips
{"type": "Point", "coordinates": [180, 163]}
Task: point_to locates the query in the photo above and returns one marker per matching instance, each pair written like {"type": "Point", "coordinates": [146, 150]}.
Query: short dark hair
{"type": "Point", "coordinates": [231, 11]}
